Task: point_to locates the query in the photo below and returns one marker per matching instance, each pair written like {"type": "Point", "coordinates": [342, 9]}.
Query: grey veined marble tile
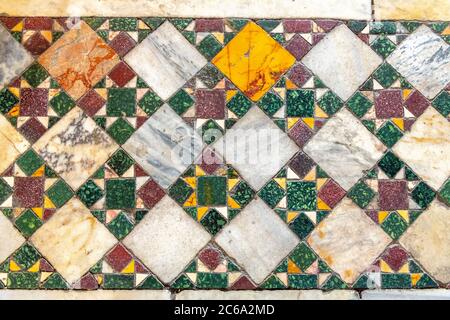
{"type": "Point", "coordinates": [164, 146]}
{"type": "Point", "coordinates": [165, 60]}
{"type": "Point", "coordinates": [424, 60]}
{"type": "Point", "coordinates": [344, 148]}
{"type": "Point", "coordinates": [13, 57]}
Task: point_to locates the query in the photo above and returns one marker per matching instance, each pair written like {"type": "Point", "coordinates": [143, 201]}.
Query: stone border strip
{"type": "Point", "coordinates": [438, 10]}
{"type": "Point", "coordinates": [339, 9]}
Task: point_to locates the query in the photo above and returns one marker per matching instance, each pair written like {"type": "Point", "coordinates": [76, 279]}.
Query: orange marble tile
{"type": "Point", "coordinates": [79, 60]}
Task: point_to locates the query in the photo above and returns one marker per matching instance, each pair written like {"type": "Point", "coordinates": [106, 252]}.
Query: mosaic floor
{"type": "Point", "coordinates": [152, 153]}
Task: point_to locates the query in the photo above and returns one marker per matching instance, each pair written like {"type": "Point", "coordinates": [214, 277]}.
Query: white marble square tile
{"type": "Point", "coordinates": [256, 147]}
{"type": "Point", "coordinates": [73, 240]}
{"type": "Point", "coordinates": [165, 60]}
{"type": "Point", "coordinates": [164, 146]}
{"type": "Point", "coordinates": [424, 60]}
{"type": "Point", "coordinates": [258, 239]}
{"type": "Point", "coordinates": [167, 239]}
{"type": "Point", "coordinates": [348, 240]}
{"type": "Point", "coordinates": [344, 148]}
{"type": "Point", "coordinates": [342, 61]}
{"type": "Point", "coordinates": [12, 144]}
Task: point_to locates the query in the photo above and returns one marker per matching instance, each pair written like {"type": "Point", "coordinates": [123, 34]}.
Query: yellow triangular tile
{"type": "Point", "coordinates": [34, 267]}
{"type": "Point", "coordinates": [142, 25]}
{"type": "Point", "coordinates": [232, 183]}
{"type": "Point", "coordinates": [322, 205]}
{"type": "Point", "coordinates": [311, 176]}
{"type": "Point", "coordinates": [15, 91]}
{"type": "Point", "coordinates": [406, 93]}
{"type": "Point", "coordinates": [24, 84]}
{"type": "Point", "coordinates": [39, 212]}
{"type": "Point", "coordinates": [48, 204]}
{"type": "Point", "coordinates": [309, 122]}
{"type": "Point", "coordinates": [399, 122]}
{"type": "Point", "coordinates": [103, 93]}
{"type": "Point", "coordinates": [404, 214]}
{"type": "Point", "coordinates": [192, 181]}
{"type": "Point", "coordinates": [13, 266]}
{"type": "Point", "coordinates": [446, 32]}
{"type": "Point", "coordinates": [199, 171]}
{"type": "Point", "coordinates": [18, 27]}
{"type": "Point", "coordinates": [382, 215]}
{"type": "Point", "coordinates": [320, 182]}
{"type": "Point", "coordinates": [290, 84]}
{"type": "Point", "coordinates": [385, 267]}
{"type": "Point", "coordinates": [192, 201]}
{"type": "Point", "coordinates": [319, 112]}
{"type": "Point", "coordinates": [201, 212]}
{"type": "Point", "coordinates": [99, 279]}
{"type": "Point", "coordinates": [293, 268]}
{"type": "Point", "coordinates": [415, 277]}
{"type": "Point", "coordinates": [14, 112]}
{"type": "Point", "coordinates": [47, 35]}
{"type": "Point", "coordinates": [291, 216]}
{"type": "Point", "coordinates": [231, 94]}
{"type": "Point", "coordinates": [39, 172]}
{"type": "Point", "coordinates": [129, 268]}
{"type": "Point", "coordinates": [291, 122]}
{"type": "Point", "coordinates": [232, 203]}
{"type": "Point", "coordinates": [281, 182]}
{"type": "Point", "coordinates": [404, 268]}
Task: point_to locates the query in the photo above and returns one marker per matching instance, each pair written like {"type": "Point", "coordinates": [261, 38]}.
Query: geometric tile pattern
{"type": "Point", "coordinates": [230, 154]}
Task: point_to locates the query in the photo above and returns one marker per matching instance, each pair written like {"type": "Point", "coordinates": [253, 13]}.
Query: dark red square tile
{"type": "Point", "coordinates": [298, 46]}
{"type": "Point", "coordinates": [300, 133]}
{"type": "Point", "coordinates": [297, 26]}
{"type": "Point", "coordinates": [37, 44]}
{"type": "Point", "coordinates": [118, 258]}
{"type": "Point", "coordinates": [122, 74]}
{"type": "Point", "coordinates": [122, 44]}
{"type": "Point", "coordinates": [389, 104]}
{"type": "Point", "coordinates": [299, 75]}
{"type": "Point", "coordinates": [38, 23]}
{"type": "Point", "coordinates": [33, 102]}
{"type": "Point", "coordinates": [209, 25]}
{"type": "Point", "coordinates": [91, 103]}
{"type": "Point", "coordinates": [331, 193]}
{"type": "Point", "coordinates": [210, 104]}
{"type": "Point", "coordinates": [28, 192]}
{"type": "Point", "coordinates": [301, 164]}
{"type": "Point", "coordinates": [210, 257]}
{"type": "Point", "coordinates": [393, 195]}
{"type": "Point", "coordinates": [416, 103]}
{"type": "Point", "coordinates": [395, 257]}
{"type": "Point", "coordinates": [33, 129]}
{"type": "Point", "coordinates": [151, 193]}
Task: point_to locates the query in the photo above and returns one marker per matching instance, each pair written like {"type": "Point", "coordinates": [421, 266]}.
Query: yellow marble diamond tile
{"type": "Point", "coordinates": [253, 61]}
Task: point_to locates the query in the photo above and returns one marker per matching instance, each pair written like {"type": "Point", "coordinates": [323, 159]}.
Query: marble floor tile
{"type": "Point", "coordinates": [12, 144]}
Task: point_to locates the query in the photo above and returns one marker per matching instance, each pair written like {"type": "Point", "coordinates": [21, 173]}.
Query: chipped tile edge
{"type": "Point", "coordinates": [342, 9]}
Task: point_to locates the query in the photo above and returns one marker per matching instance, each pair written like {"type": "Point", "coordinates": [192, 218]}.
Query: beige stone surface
{"type": "Point", "coordinates": [412, 9]}
{"type": "Point", "coordinates": [351, 9]}
{"type": "Point", "coordinates": [267, 295]}
{"type": "Point", "coordinates": [12, 144]}
{"type": "Point", "coordinates": [85, 295]}
{"type": "Point", "coordinates": [73, 240]}
{"type": "Point", "coordinates": [348, 240]}
{"type": "Point", "coordinates": [10, 238]}
{"type": "Point", "coordinates": [428, 240]}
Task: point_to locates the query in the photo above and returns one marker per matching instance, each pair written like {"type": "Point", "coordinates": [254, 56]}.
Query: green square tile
{"type": "Point", "coordinates": [270, 103]}
{"type": "Point", "coordinates": [301, 195]}
{"type": "Point", "coordinates": [206, 280]}
{"type": "Point", "coordinates": [120, 193]}
{"type": "Point", "coordinates": [442, 103]}
{"type": "Point", "coordinates": [386, 75]}
{"type": "Point", "coordinates": [361, 194]}
{"type": "Point", "coordinates": [89, 193]}
{"type": "Point", "coordinates": [123, 24]}
{"type": "Point", "coordinates": [210, 76]}
{"type": "Point", "coordinates": [239, 105]}
{"type": "Point", "coordinates": [120, 131]}
{"type": "Point", "coordinates": [7, 100]}
{"type": "Point", "coordinates": [29, 162]}
{"type": "Point", "coordinates": [62, 103]}
{"type": "Point", "coordinates": [180, 191]}
{"type": "Point", "coordinates": [26, 256]}
{"type": "Point", "coordinates": [121, 226]}
{"type": "Point", "coordinates": [389, 134]}
{"type": "Point", "coordinates": [303, 256]}
{"type": "Point", "coordinates": [423, 195]}
{"type": "Point", "coordinates": [394, 225]}
{"type": "Point", "coordinates": [330, 103]}
{"type": "Point", "coordinates": [181, 102]}
{"type": "Point", "coordinates": [59, 193]}
{"type": "Point", "coordinates": [300, 103]}
{"type": "Point", "coordinates": [213, 221]}
{"type": "Point", "coordinates": [302, 226]}
{"type": "Point", "coordinates": [150, 102]}
{"type": "Point", "coordinates": [302, 281]}
{"type": "Point", "coordinates": [118, 281]}
{"type": "Point", "coordinates": [383, 46]}
{"type": "Point", "coordinates": [390, 164]}
{"type": "Point", "coordinates": [23, 280]}
{"type": "Point", "coordinates": [211, 131]}
{"type": "Point", "coordinates": [272, 193]}
{"type": "Point", "coordinates": [383, 27]}
{"type": "Point", "coordinates": [35, 75]}
{"type": "Point", "coordinates": [242, 193]}
{"type": "Point", "coordinates": [120, 162]}
{"type": "Point", "coordinates": [209, 47]}
{"type": "Point", "coordinates": [396, 281]}
{"type": "Point", "coordinates": [28, 223]}
{"type": "Point", "coordinates": [212, 191]}
{"type": "Point", "coordinates": [5, 190]}
{"type": "Point", "coordinates": [121, 102]}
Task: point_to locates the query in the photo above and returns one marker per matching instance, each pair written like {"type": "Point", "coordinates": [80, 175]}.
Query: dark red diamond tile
{"type": "Point", "coordinates": [210, 104]}
{"type": "Point", "coordinates": [36, 44]}
{"type": "Point", "coordinates": [389, 104]}
{"type": "Point", "coordinates": [299, 75]}
{"type": "Point", "coordinates": [210, 257]}
{"type": "Point", "coordinates": [331, 193]}
{"type": "Point", "coordinates": [416, 103]}
{"type": "Point", "coordinates": [395, 257]}
{"type": "Point", "coordinates": [91, 103]}
{"type": "Point", "coordinates": [122, 44]}
{"type": "Point", "coordinates": [209, 25]}
{"type": "Point", "coordinates": [301, 164]}
{"type": "Point", "coordinates": [300, 133]}
{"type": "Point", "coordinates": [118, 258]}
{"type": "Point", "coordinates": [33, 129]}
{"type": "Point", "coordinates": [297, 26]}
{"type": "Point", "coordinates": [151, 193]}
{"type": "Point", "coordinates": [28, 192]}
{"type": "Point", "coordinates": [38, 23]}
{"type": "Point", "coordinates": [298, 46]}
{"type": "Point", "coordinates": [393, 195]}
{"type": "Point", "coordinates": [122, 74]}
{"type": "Point", "coordinates": [88, 282]}
{"type": "Point", "coordinates": [33, 102]}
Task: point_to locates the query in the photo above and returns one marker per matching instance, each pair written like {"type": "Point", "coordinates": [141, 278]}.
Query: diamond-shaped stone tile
{"type": "Point", "coordinates": [73, 240]}
{"type": "Point", "coordinates": [78, 60]}
{"type": "Point", "coordinates": [256, 147]}
{"type": "Point", "coordinates": [426, 148]}
{"type": "Point", "coordinates": [344, 148]}
{"type": "Point", "coordinates": [75, 147]}
{"type": "Point", "coordinates": [167, 239]}
{"type": "Point", "coordinates": [424, 60]}
{"type": "Point", "coordinates": [258, 239]}
{"type": "Point", "coordinates": [428, 240]}
{"type": "Point", "coordinates": [253, 61]}
{"type": "Point", "coordinates": [12, 144]}
{"type": "Point", "coordinates": [348, 240]}
{"type": "Point", "coordinates": [13, 57]}
{"type": "Point", "coordinates": [165, 60]}
{"type": "Point", "coordinates": [10, 238]}
{"type": "Point", "coordinates": [164, 146]}
{"type": "Point", "coordinates": [342, 61]}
